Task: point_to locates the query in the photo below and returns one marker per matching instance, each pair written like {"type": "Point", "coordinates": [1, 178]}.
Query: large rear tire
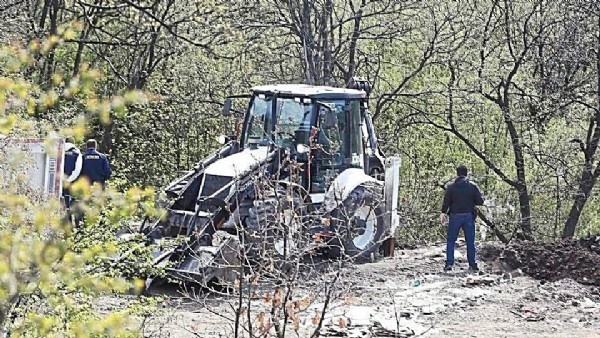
{"type": "Point", "coordinates": [275, 226]}
{"type": "Point", "coordinates": [358, 224]}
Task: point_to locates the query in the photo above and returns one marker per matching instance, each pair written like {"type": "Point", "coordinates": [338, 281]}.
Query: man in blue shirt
{"type": "Point", "coordinates": [459, 202]}
{"type": "Point", "coordinates": [72, 168]}
{"type": "Point", "coordinates": [96, 168]}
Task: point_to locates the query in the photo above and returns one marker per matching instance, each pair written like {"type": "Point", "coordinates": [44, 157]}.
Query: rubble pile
{"type": "Point", "coordinates": [576, 259]}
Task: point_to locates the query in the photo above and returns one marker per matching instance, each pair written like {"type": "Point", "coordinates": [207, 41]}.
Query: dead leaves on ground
{"type": "Point", "coordinates": [291, 310]}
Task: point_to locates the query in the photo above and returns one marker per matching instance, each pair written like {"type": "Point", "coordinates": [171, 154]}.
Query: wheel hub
{"type": "Point", "coordinates": [365, 227]}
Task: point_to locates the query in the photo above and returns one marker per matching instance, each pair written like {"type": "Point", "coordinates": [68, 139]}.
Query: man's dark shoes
{"type": "Point", "coordinates": [447, 268]}
{"type": "Point", "coordinates": [473, 268]}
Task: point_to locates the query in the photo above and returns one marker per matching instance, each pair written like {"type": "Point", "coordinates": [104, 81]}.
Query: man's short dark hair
{"type": "Point", "coordinates": [462, 170]}
{"type": "Point", "coordinates": [69, 139]}
{"type": "Point", "coordinates": [91, 144]}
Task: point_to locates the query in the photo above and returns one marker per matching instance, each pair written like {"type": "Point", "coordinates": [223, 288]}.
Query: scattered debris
{"type": "Point", "coordinates": [500, 304]}
{"type": "Point", "coordinates": [378, 329]}
{"type": "Point", "coordinates": [479, 280]}
{"type": "Point", "coordinates": [528, 314]}
{"type": "Point", "coordinates": [381, 330]}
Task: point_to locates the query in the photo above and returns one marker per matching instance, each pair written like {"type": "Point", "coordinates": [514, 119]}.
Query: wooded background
{"type": "Point", "coordinates": [509, 88]}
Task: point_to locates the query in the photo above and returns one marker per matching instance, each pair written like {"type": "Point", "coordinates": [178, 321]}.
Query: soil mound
{"type": "Point", "coordinates": [579, 260]}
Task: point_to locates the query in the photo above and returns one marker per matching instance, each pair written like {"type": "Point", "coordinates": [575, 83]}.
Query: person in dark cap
{"type": "Point", "coordinates": [460, 200]}
{"type": "Point", "coordinates": [96, 168]}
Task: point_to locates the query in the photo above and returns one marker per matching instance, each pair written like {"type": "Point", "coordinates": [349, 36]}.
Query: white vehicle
{"type": "Point", "coordinates": [334, 185]}
{"type": "Point", "coordinates": [38, 161]}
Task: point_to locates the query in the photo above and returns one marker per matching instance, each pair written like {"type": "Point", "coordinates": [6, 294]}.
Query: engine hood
{"type": "Point", "coordinates": [236, 164]}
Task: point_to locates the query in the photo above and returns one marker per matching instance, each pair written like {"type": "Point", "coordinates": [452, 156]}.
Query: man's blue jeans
{"type": "Point", "coordinates": [467, 223]}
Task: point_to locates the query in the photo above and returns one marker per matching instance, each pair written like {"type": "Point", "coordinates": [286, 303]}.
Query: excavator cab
{"type": "Point", "coordinates": [320, 126]}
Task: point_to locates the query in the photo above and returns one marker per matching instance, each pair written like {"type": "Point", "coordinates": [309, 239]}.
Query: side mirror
{"type": "Point", "coordinates": [226, 107]}
{"type": "Point", "coordinates": [222, 139]}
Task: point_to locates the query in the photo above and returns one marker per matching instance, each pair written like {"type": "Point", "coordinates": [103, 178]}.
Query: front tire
{"type": "Point", "coordinates": [275, 226]}
{"type": "Point", "coordinates": [358, 224]}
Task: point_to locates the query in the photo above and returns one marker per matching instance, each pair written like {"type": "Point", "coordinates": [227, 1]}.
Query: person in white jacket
{"type": "Point", "coordinates": [72, 170]}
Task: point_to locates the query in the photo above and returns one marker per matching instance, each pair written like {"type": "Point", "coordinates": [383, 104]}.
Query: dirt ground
{"type": "Point", "coordinates": [409, 295]}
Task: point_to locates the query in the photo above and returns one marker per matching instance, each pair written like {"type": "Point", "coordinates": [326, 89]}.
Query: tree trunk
{"type": "Point", "coordinates": [106, 141]}
{"type": "Point", "coordinates": [51, 9]}
{"type": "Point", "coordinates": [588, 175]}
{"type": "Point", "coordinates": [353, 46]}
{"type": "Point", "coordinates": [525, 210]}
{"type": "Point", "coordinates": [586, 183]}
{"type": "Point", "coordinates": [307, 43]}
{"type": "Point", "coordinates": [81, 45]}
{"type": "Point", "coordinates": [79, 53]}
{"type": "Point", "coordinates": [327, 41]}
{"type": "Point", "coordinates": [521, 186]}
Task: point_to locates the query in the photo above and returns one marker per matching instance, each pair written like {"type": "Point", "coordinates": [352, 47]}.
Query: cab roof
{"type": "Point", "coordinates": [304, 90]}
